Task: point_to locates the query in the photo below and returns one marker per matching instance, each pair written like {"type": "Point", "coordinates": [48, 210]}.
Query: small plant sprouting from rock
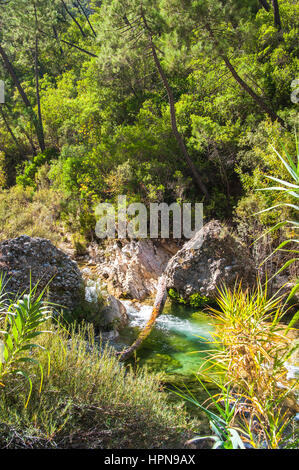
{"type": "Point", "coordinates": [195, 300]}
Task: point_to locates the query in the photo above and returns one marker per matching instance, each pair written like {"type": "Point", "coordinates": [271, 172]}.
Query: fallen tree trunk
{"type": "Point", "coordinates": [157, 310]}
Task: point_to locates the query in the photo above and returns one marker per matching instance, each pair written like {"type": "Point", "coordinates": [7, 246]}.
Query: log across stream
{"type": "Point", "coordinates": [178, 341]}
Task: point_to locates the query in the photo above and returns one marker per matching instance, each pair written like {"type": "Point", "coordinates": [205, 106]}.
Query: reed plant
{"type": "Point", "coordinates": [21, 322]}
{"type": "Point", "coordinates": [251, 347]}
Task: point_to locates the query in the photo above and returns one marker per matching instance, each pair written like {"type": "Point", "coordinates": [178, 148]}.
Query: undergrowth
{"type": "Point", "coordinates": [89, 400]}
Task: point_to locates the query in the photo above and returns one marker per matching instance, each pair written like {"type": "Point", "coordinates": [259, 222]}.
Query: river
{"type": "Point", "coordinates": [178, 343]}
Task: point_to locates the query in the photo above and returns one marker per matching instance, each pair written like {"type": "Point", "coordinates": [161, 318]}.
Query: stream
{"type": "Point", "coordinates": [177, 343]}
{"type": "Point", "coordinates": [177, 348]}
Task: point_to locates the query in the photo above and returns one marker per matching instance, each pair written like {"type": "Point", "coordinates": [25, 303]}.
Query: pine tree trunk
{"type": "Point", "coordinates": [41, 138]}
{"type": "Point", "coordinates": [196, 176]}
{"type": "Point", "coordinates": [87, 19]}
{"type": "Point", "coordinates": [73, 18]}
{"type": "Point", "coordinates": [29, 138]}
{"type": "Point", "coordinates": [14, 77]}
{"type": "Point", "coordinates": [20, 89]}
{"type": "Point", "coordinates": [257, 98]}
{"type": "Point", "coordinates": [277, 20]}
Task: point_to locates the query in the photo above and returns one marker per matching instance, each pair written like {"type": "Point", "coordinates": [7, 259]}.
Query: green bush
{"type": "Point", "coordinates": [27, 175]}
{"type": "Point", "coordinates": [174, 295]}
{"type": "Point", "coordinates": [195, 300]}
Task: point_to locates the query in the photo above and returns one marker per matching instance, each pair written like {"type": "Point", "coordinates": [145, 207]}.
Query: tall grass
{"type": "Point", "coordinates": [38, 214]}
{"type": "Point", "coordinates": [89, 400]}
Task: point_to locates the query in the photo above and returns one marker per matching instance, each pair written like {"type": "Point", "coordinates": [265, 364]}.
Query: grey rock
{"type": "Point", "coordinates": [114, 314]}
{"type": "Point", "coordinates": [23, 257]}
{"type": "Point", "coordinates": [212, 257]}
{"type": "Point", "coordinates": [132, 269]}
{"type": "Point", "coordinates": [109, 335]}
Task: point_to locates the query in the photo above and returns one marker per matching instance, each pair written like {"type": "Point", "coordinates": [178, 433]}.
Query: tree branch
{"type": "Point", "coordinates": [80, 7]}
{"type": "Point", "coordinates": [265, 5]}
{"type": "Point", "coordinates": [257, 98]}
{"type": "Point", "coordinates": [196, 176]}
{"type": "Point", "coordinates": [73, 18]}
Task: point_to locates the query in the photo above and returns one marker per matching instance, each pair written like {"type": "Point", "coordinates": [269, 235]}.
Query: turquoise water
{"type": "Point", "coordinates": [178, 343]}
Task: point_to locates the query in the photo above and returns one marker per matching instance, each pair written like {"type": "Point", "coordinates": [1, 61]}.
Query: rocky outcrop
{"type": "Point", "coordinates": [132, 269]}
{"type": "Point", "coordinates": [212, 257]}
{"type": "Point", "coordinates": [25, 257]}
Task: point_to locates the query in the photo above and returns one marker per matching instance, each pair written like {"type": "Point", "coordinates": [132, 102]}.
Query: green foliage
{"type": "Point", "coordinates": [108, 115]}
{"type": "Point", "coordinates": [195, 300]}
{"type": "Point", "coordinates": [225, 436]}
{"type": "Point", "coordinates": [21, 321]}
{"type": "Point", "coordinates": [105, 111]}
{"type": "Point", "coordinates": [27, 177]}
{"type": "Point", "coordinates": [198, 300]}
{"type": "Point", "coordinates": [2, 170]}
{"type": "Point", "coordinates": [174, 295]}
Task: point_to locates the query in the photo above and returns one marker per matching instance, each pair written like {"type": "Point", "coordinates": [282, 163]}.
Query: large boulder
{"type": "Point", "coordinates": [212, 257]}
{"type": "Point", "coordinates": [25, 257]}
{"type": "Point", "coordinates": [132, 269]}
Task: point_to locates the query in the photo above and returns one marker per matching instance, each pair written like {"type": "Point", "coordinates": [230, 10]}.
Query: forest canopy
{"type": "Point", "coordinates": [177, 100]}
